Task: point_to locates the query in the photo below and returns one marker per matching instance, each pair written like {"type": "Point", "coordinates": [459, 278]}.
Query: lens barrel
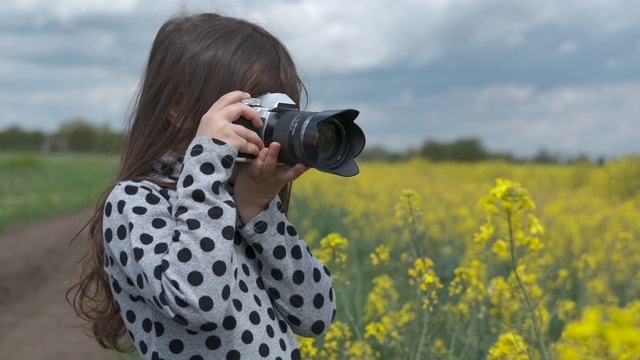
{"type": "Point", "coordinates": [328, 140]}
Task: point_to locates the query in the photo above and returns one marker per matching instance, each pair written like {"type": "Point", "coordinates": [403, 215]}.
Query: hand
{"type": "Point", "coordinates": [260, 181]}
{"type": "Point", "coordinates": [218, 122]}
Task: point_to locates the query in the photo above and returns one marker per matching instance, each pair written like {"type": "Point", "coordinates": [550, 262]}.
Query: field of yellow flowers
{"type": "Point", "coordinates": [477, 261]}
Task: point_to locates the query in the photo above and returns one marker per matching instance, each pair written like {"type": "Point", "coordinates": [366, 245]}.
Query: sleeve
{"type": "Point", "coordinates": [297, 283]}
{"type": "Point", "coordinates": [177, 258]}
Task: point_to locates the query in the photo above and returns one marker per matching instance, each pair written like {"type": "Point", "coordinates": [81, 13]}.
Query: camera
{"type": "Point", "coordinates": [327, 140]}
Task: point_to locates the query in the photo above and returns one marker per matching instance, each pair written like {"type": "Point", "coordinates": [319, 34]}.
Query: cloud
{"type": "Point", "coordinates": [597, 120]}
{"type": "Point", "coordinates": [520, 75]}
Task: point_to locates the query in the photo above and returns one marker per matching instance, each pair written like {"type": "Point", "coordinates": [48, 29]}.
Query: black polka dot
{"type": "Point", "coordinates": [181, 210]}
{"type": "Point", "coordinates": [131, 316]}
{"type": "Point", "coordinates": [318, 301]}
{"type": "Point", "coordinates": [295, 355]}
{"type": "Point", "coordinates": [296, 252]}
{"type": "Point", "coordinates": [130, 189]}
{"type": "Point", "coordinates": [196, 150]}
{"type": "Point", "coordinates": [143, 347]}
{"type": "Point", "coordinates": [124, 258]}
{"type": "Point", "coordinates": [229, 322]}
{"type": "Point", "coordinates": [152, 199]}
{"type": "Point", "coordinates": [291, 230]}
{"type": "Point", "coordinates": [276, 274]}
{"type": "Point", "coordinates": [209, 326]}
{"type": "Point", "coordinates": [274, 293]}
{"type": "Point", "coordinates": [317, 327]}
{"type": "Point", "coordinates": [215, 212]}
{"type": "Point", "coordinates": [205, 303]}
{"type": "Point", "coordinates": [228, 232]}
{"type": "Point", "coordinates": [161, 248]}
{"type": "Point", "coordinates": [198, 196]}
{"type": "Point", "coordinates": [193, 224]}
{"type": "Point", "coordinates": [243, 286]}
{"type": "Point", "coordinates": [195, 278]}
{"type": "Point", "coordinates": [219, 268]}
{"type": "Point", "coordinates": [139, 210]}
{"type": "Point", "coordinates": [187, 181]}
{"type": "Point", "coordinates": [296, 301]}
{"type": "Point", "coordinates": [263, 350]}
{"type": "Point", "coordinates": [257, 247]}
{"type": "Point", "coordinates": [250, 253]}
{"type": "Point", "coordinates": [207, 168]}
{"type": "Point", "coordinates": [298, 277]}
{"type": "Point", "coordinates": [237, 304]}
{"type": "Point", "coordinates": [176, 346]}
{"type": "Point", "coordinates": [215, 187]}
{"type": "Point", "coordinates": [247, 337]}
{"type": "Point", "coordinates": [260, 227]}
{"type": "Point", "coordinates": [213, 342]}
{"type": "Point", "coordinates": [107, 209]}
{"type": "Point", "coordinates": [227, 161]}
{"type": "Point", "coordinates": [158, 223]}
{"type": "Point", "coordinates": [254, 317]}
{"type": "Point", "coordinates": [121, 205]}
{"type": "Point", "coordinates": [279, 252]}
{"type": "Point", "coordinates": [146, 239]}
{"type": "Point", "coordinates": [108, 235]}
{"type": "Point", "coordinates": [207, 244]}
{"type": "Point", "coordinates": [226, 292]}
{"type": "Point", "coordinates": [270, 332]}
{"type": "Point", "coordinates": [317, 275]}
{"type": "Point", "coordinates": [147, 325]}
{"type": "Point", "coordinates": [280, 228]}
{"type": "Point", "coordinates": [184, 255]}
{"type": "Point", "coordinates": [121, 232]}
{"type": "Point", "coordinates": [159, 328]}
{"type": "Point", "coordinates": [180, 319]}
{"type": "Point", "coordinates": [233, 355]}
{"type": "Point", "coordinates": [294, 320]}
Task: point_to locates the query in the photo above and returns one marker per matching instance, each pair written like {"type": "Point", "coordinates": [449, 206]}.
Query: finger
{"type": "Point", "coordinates": [270, 161]}
{"type": "Point", "coordinates": [234, 111]}
{"type": "Point", "coordinates": [228, 99]}
{"type": "Point", "coordinates": [257, 165]}
{"type": "Point", "coordinates": [248, 135]}
{"type": "Point", "coordinates": [250, 148]}
{"type": "Point", "coordinates": [291, 173]}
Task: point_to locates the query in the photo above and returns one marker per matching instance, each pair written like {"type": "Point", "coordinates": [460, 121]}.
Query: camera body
{"type": "Point", "coordinates": [328, 140]}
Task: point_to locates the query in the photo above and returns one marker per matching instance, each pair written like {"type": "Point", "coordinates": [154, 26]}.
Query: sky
{"type": "Point", "coordinates": [520, 76]}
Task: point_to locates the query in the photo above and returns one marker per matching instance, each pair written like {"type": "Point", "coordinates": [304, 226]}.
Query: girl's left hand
{"type": "Point", "coordinates": [261, 180]}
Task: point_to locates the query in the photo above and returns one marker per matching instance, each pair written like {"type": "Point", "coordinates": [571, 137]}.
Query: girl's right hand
{"type": "Point", "coordinates": [218, 123]}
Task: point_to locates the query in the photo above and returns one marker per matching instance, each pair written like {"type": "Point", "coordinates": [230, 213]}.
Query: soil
{"type": "Point", "coordinates": [37, 262]}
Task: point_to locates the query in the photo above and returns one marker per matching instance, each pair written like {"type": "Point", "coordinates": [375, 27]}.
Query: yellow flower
{"type": "Point", "coordinates": [380, 255]}
{"type": "Point", "coordinates": [510, 346]}
{"type": "Point", "coordinates": [501, 248]}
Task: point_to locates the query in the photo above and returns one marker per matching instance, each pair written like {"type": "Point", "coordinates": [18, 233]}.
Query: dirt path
{"type": "Point", "coordinates": [36, 263]}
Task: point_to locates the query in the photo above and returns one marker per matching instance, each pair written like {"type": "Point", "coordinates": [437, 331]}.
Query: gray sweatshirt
{"type": "Point", "coordinates": [193, 282]}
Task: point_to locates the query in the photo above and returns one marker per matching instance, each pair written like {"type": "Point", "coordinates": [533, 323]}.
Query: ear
{"type": "Point", "coordinates": [175, 110]}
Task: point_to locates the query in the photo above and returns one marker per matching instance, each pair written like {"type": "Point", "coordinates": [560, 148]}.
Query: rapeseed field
{"type": "Point", "coordinates": [477, 261]}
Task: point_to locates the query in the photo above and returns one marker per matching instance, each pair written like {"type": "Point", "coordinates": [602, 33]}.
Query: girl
{"type": "Point", "coordinates": [192, 256]}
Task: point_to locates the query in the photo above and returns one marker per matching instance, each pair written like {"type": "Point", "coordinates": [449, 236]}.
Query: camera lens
{"type": "Point", "coordinates": [332, 147]}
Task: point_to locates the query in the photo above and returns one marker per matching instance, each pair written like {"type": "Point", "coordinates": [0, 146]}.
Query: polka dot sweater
{"type": "Point", "coordinates": [193, 282]}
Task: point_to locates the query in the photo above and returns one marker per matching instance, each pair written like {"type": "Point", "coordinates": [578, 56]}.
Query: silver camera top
{"type": "Point", "coordinates": [272, 101]}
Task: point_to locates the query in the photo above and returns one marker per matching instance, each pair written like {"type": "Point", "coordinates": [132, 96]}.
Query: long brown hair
{"type": "Point", "coordinates": [194, 60]}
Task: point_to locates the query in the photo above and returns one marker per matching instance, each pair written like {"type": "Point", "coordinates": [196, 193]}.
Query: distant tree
{"type": "Point", "coordinates": [468, 150]}
{"type": "Point", "coordinates": [14, 138]}
{"type": "Point", "coordinates": [379, 153]}
{"type": "Point", "coordinates": [544, 156]}
{"type": "Point", "coordinates": [79, 134]}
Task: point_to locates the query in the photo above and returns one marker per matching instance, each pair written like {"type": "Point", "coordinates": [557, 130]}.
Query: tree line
{"type": "Point", "coordinates": [80, 135]}
{"type": "Point", "coordinates": [76, 135]}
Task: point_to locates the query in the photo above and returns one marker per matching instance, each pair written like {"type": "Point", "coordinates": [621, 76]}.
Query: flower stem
{"type": "Point", "coordinates": [527, 297]}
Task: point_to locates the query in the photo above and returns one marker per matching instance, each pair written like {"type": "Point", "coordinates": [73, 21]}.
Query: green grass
{"type": "Point", "coordinates": [36, 186]}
